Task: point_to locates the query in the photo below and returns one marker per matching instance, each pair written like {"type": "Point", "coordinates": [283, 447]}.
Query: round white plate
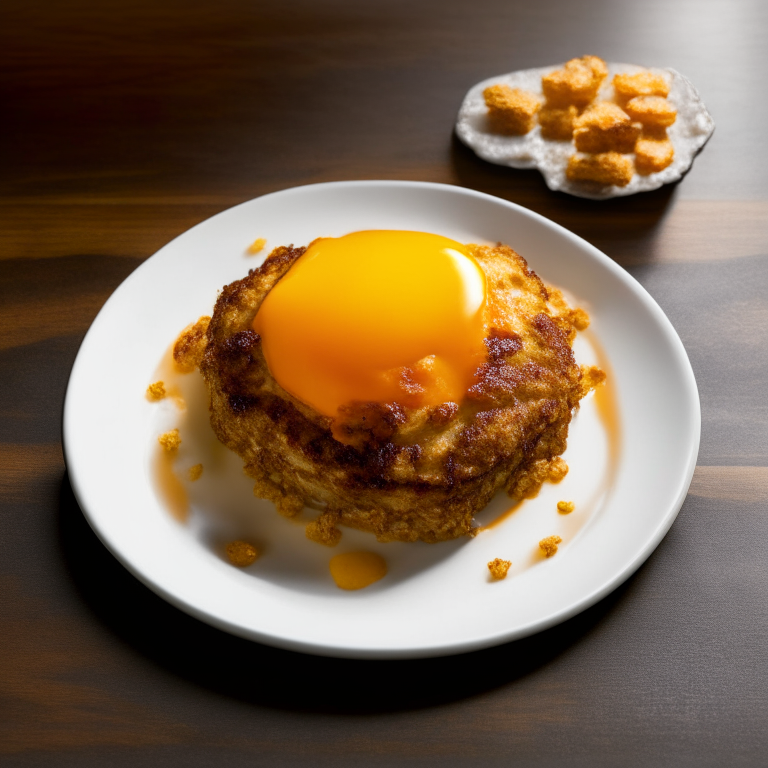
{"type": "Point", "coordinates": [436, 599]}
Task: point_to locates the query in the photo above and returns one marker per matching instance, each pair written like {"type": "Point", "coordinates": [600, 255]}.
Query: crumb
{"type": "Point", "coordinates": [499, 568]}
{"type": "Point", "coordinates": [195, 472]}
{"type": "Point", "coordinates": [557, 122]}
{"type": "Point", "coordinates": [190, 346]}
{"type": "Point", "coordinates": [578, 318]}
{"type": "Point", "coordinates": [511, 110]}
{"type": "Point", "coordinates": [605, 127]}
{"type": "Point", "coordinates": [558, 469]}
{"type": "Point", "coordinates": [640, 84]}
{"type": "Point", "coordinates": [607, 168]}
{"type": "Point", "coordinates": [653, 111]}
{"type": "Point", "coordinates": [653, 155]}
{"type": "Point", "coordinates": [591, 376]}
{"type": "Point", "coordinates": [170, 440]}
{"type": "Point", "coordinates": [324, 530]}
{"type": "Point", "coordinates": [576, 83]}
{"type": "Point", "coordinates": [156, 391]}
{"type": "Point", "coordinates": [257, 246]}
{"type": "Point", "coordinates": [241, 553]}
{"type": "Point", "coordinates": [565, 507]}
{"type": "Point", "coordinates": [549, 545]}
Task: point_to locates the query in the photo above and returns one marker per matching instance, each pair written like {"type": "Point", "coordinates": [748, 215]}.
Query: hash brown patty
{"type": "Point", "coordinates": [403, 473]}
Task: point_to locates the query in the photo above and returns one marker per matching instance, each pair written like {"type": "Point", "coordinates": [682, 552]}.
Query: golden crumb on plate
{"type": "Point", "coordinates": [241, 553]}
{"type": "Point", "coordinates": [257, 246]}
{"type": "Point", "coordinates": [156, 391]}
{"type": "Point", "coordinates": [576, 83]}
{"type": "Point", "coordinates": [605, 127]}
{"type": "Point", "coordinates": [653, 155]}
{"type": "Point", "coordinates": [549, 545]}
{"type": "Point", "coordinates": [324, 530]}
{"type": "Point", "coordinates": [558, 469]}
{"type": "Point", "coordinates": [653, 111]}
{"type": "Point", "coordinates": [640, 84]}
{"type": "Point", "coordinates": [170, 440]}
{"type": "Point", "coordinates": [565, 507]}
{"type": "Point", "coordinates": [190, 346]}
{"type": "Point", "coordinates": [557, 122]}
{"type": "Point", "coordinates": [499, 568]}
{"type": "Point", "coordinates": [511, 110]}
{"type": "Point", "coordinates": [195, 472]}
{"type": "Point", "coordinates": [609, 168]}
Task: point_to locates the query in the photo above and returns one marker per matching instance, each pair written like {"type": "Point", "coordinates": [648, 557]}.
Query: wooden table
{"type": "Point", "coordinates": [125, 123]}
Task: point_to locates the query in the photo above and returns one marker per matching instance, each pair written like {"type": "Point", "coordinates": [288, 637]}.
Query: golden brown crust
{"type": "Point", "coordinates": [403, 473]}
{"type": "Point", "coordinates": [190, 346]}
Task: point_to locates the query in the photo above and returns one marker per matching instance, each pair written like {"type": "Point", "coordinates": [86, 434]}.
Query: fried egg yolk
{"type": "Point", "coordinates": [376, 316]}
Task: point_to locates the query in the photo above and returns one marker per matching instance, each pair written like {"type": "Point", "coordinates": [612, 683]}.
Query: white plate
{"type": "Point", "coordinates": [436, 599]}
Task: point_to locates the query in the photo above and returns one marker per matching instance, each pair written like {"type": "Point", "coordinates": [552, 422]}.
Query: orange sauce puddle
{"type": "Point", "coordinates": [167, 483]}
{"type": "Point", "coordinates": [607, 406]}
{"type": "Point", "coordinates": [356, 570]}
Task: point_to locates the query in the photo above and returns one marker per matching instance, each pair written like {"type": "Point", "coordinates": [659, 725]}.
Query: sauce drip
{"type": "Point", "coordinates": [607, 406]}
{"type": "Point", "coordinates": [378, 316]}
{"type": "Point", "coordinates": [356, 570]}
{"type": "Point", "coordinates": [168, 485]}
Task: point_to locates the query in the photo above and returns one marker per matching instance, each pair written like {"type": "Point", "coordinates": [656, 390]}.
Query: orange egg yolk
{"type": "Point", "coordinates": [382, 315]}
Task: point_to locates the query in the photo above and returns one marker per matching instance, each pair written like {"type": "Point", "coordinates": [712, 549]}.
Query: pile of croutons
{"type": "Point", "coordinates": [605, 133]}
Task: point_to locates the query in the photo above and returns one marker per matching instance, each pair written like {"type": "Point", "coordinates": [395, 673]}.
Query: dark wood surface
{"type": "Point", "coordinates": [125, 123]}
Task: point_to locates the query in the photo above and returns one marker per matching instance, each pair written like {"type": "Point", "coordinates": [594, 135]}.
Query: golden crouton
{"type": "Point", "coordinates": [557, 122]}
{"type": "Point", "coordinates": [241, 553]}
{"type": "Point", "coordinates": [605, 127]}
{"type": "Point", "coordinates": [549, 545]}
{"type": "Point", "coordinates": [499, 568]}
{"type": "Point", "coordinates": [653, 111]}
{"type": "Point", "coordinates": [642, 84]}
{"type": "Point", "coordinates": [653, 155]}
{"type": "Point", "coordinates": [195, 472]}
{"type": "Point", "coordinates": [510, 110]}
{"type": "Point", "coordinates": [610, 168]}
{"type": "Point", "coordinates": [565, 507]}
{"type": "Point", "coordinates": [576, 83]}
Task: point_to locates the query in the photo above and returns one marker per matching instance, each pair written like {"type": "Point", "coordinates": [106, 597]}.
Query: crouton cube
{"type": "Point", "coordinates": [576, 83]}
{"type": "Point", "coordinates": [510, 110]}
{"type": "Point", "coordinates": [653, 155]}
{"type": "Point", "coordinates": [641, 84]}
{"type": "Point", "coordinates": [609, 168]}
{"type": "Point", "coordinates": [557, 122]}
{"type": "Point", "coordinates": [653, 111]}
{"type": "Point", "coordinates": [605, 127]}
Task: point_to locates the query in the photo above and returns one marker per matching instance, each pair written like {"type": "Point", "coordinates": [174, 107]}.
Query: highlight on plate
{"type": "Point", "coordinates": [394, 381]}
